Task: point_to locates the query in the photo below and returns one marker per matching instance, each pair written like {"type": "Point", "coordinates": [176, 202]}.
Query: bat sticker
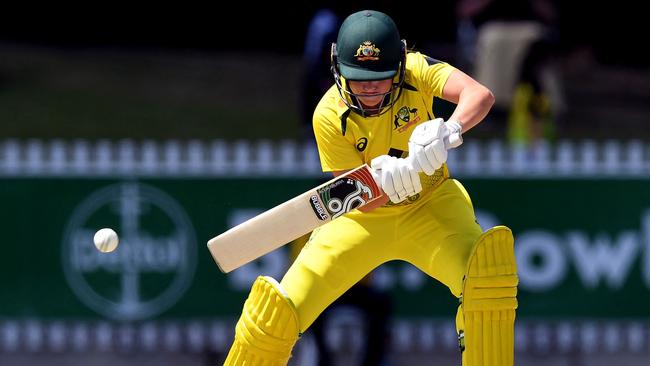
{"type": "Point", "coordinates": [318, 208]}
{"type": "Point", "coordinates": [345, 194]}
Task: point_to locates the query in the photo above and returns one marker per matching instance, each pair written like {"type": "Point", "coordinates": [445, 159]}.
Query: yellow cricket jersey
{"type": "Point", "coordinates": [347, 140]}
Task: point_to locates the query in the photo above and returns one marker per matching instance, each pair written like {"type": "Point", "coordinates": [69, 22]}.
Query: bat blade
{"type": "Point", "coordinates": [294, 218]}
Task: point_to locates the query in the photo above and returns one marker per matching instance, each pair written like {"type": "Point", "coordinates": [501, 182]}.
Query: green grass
{"type": "Point", "coordinates": [47, 93]}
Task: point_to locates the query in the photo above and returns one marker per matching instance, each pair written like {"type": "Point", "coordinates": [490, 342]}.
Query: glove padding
{"type": "Point", "coordinates": [430, 141]}
{"type": "Point", "coordinates": [398, 178]}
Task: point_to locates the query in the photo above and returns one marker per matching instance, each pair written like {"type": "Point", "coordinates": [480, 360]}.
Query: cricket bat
{"type": "Point", "coordinates": [294, 218]}
{"type": "Point", "coordinates": [299, 216]}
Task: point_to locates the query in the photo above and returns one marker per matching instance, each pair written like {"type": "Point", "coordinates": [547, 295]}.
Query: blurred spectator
{"type": "Point", "coordinates": [533, 114]}
{"type": "Point", "coordinates": [317, 77]}
{"type": "Point", "coordinates": [509, 46]}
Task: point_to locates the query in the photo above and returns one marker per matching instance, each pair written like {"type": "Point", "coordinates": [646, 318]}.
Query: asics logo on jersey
{"type": "Point", "coordinates": [362, 143]}
{"type": "Point", "coordinates": [367, 51]}
{"type": "Point", "coordinates": [404, 115]}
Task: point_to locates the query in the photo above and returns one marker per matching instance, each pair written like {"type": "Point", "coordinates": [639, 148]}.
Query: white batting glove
{"type": "Point", "coordinates": [398, 178]}
{"type": "Point", "coordinates": [430, 141]}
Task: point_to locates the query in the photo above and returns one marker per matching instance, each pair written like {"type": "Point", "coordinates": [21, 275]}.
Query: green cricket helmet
{"type": "Point", "coordinates": [368, 48]}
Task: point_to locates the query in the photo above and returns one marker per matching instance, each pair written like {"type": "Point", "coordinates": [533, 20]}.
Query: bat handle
{"type": "Point", "coordinates": [376, 175]}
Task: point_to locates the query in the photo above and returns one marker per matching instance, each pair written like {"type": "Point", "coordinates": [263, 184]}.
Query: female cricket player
{"type": "Point", "coordinates": [379, 111]}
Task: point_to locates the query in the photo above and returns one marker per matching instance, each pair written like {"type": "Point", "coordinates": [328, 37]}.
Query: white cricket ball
{"type": "Point", "coordinates": [106, 240]}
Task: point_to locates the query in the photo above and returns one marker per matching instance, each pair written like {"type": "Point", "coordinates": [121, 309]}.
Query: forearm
{"type": "Point", "coordinates": [473, 105]}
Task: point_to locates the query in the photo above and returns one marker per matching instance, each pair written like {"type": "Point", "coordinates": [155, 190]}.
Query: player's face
{"type": "Point", "coordinates": [370, 93]}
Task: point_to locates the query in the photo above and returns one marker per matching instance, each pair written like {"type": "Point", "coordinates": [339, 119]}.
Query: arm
{"type": "Point", "coordinates": [372, 205]}
{"type": "Point", "coordinates": [430, 140]}
{"type": "Point", "coordinates": [473, 100]}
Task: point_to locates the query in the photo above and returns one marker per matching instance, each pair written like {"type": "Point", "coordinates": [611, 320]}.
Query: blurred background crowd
{"type": "Point", "coordinates": [174, 122]}
{"type": "Point", "coordinates": [117, 72]}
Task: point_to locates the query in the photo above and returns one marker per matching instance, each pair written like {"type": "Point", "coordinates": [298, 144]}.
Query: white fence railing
{"type": "Point", "coordinates": [589, 337]}
{"type": "Point", "coordinates": [218, 158]}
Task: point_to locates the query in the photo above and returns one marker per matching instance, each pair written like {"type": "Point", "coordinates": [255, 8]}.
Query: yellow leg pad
{"type": "Point", "coordinates": [486, 315]}
{"type": "Point", "coordinates": [267, 329]}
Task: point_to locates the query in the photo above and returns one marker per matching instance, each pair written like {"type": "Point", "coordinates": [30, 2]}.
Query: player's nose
{"type": "Point", "coordinates": [370, 86]}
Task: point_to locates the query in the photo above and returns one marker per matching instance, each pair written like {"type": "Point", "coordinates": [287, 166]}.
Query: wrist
{"type": "Point", "coordinates": [454, 136]}
{"type": "Point", "coordinates": [454, 126]}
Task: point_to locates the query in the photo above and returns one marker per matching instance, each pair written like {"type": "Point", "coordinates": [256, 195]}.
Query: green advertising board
{"type": "Point", "coordinates": [583, 247]}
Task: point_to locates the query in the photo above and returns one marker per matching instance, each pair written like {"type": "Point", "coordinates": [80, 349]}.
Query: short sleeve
{"type": "Point", "coordinates": [335, 150]}
{"type": "Point", "coordinates": [430, 74]}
